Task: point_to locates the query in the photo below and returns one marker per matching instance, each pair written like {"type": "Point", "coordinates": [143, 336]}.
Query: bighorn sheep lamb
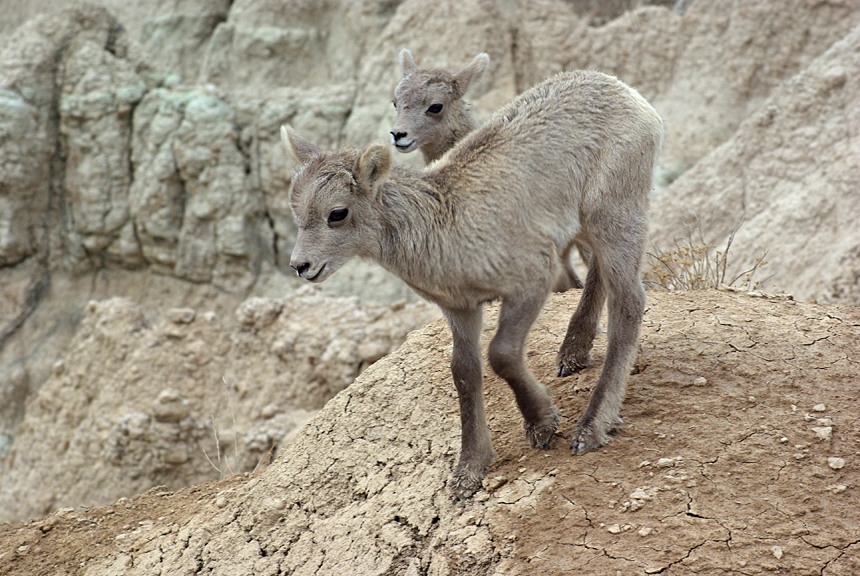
{"type": "Point", "coordinates": [431, 113]}
{"type": "Point", "coordinates": [570, 159]}
{"type": "Point", "coordinates": [432, 116]}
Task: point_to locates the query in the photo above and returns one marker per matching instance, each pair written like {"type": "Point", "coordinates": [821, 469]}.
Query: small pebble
{"type": "Point", "coordinates": [170, 406]}
{"type": "Point", "coordinates": [823, 432]}
{"type": "Point", "coordinates": [640, 494]}
{"type": "Point", "coordinates": [614, 529]}
{"type": "Point", "coordinates": [777, 552]}
{"type": "Point", "coordinates": [169, 395]}
{"type": "Point", "coordinates": [65, 512]}
{"type": "Point", "coordinates": [665, 463]}
{"type": "Point", "coordinates": [48, 524]}
{"type": "Point", "coordinates": [836, 463]}
{"type": "Point", "coordinates": [181, 315]}
{"type": "Point", "coordinates": [220, 502]}
{"type": "Point", "coordinates": [495, 483]}
{"type": "Point", "coordinates": [644, 531]}
{"type": "Point", "coordinates": [269, 411]}
{"type": "Point", "coordinates": [819, 408]}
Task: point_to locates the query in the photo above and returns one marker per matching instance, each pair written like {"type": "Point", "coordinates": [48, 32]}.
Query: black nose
{"type": "Point", "coordinates": [301, 268]}
{"type": "Point", "coordinates": [399, 135]}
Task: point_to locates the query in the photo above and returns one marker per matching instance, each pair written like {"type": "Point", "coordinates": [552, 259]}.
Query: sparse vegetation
{"type": "Point", "coordinates": [223, 466]}
{"type": "Point", "coordinates": [695, 264]}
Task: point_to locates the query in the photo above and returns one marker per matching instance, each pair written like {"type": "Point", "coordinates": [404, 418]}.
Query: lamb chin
{"type": "Point", "coordinates": [318, 277]}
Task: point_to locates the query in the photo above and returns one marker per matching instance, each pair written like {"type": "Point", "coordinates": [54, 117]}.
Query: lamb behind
{"type": "Point", "coordinates": [431, 113]}
{"type": "Point", "coordinates": [432, 116]}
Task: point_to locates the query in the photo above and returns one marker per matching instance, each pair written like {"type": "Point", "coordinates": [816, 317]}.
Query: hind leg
{"type": "Point", "coordinates": [507, 358]}
{"type": "Point", "coordinates": [575, 351]}
{"type": "Point", "coordinates": [619, 264]}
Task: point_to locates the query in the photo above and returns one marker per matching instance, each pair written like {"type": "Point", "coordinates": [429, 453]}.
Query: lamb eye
{"type": "Point", "coordinates": [434, 108]}
{"type": "Point", "coordinates": [394, 103]}
{"type": "Point", "coordinates": [337, 215]}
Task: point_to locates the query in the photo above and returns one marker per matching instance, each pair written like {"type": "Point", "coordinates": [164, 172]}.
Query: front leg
{"type": "Point", "coordinates": [476, 449]}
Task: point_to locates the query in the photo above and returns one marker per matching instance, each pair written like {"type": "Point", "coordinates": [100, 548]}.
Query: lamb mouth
{"type": "Point", "coordinates": [317, 275]}
{"type": "Point", "coordinates": [404, 147]}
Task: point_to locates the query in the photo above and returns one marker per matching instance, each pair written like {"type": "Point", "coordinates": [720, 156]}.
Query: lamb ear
{"type": "Point", "coordinates": [298, 147]}
{"type": "Point", "coordinates": [372, 167]}
{"type": "Point", "coordinates": [471, 73]}
{"type": "Point", "coordinates": [407, 62]}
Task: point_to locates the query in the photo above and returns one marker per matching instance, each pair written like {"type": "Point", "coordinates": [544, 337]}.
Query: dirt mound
{"type": "Point", "coordinates": [739, 455]}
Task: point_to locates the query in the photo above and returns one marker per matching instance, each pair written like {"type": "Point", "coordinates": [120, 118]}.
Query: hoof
{"type": "Point", "coordinates": [466, 483]}
{"type": "Point", "coordinates": [540, 435]}
{"type": "Point", "coordinates": [567, 280]}
{"type": "Point", "coordinates": [591, 437]}
{"type": "Point", "coordinates": [467, 480]}
{"type": "Point", "coordinates": [571, 367]}
{"type": "Point", "coordinates": [582, 445]}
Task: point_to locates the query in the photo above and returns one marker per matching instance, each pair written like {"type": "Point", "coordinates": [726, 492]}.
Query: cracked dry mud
{"type": "Point", "coordinates": [723, 467]}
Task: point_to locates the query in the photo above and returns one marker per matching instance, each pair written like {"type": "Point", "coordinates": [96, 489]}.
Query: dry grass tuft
{"type": "Point", "coordinates": [694, 264]}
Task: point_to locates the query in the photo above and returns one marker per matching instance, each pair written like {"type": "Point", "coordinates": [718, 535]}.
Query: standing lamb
{"type": "Point", "coordinates": [431, 113]}
{"type": "Point", "coordinates": [432, 116]}
{"type": "Point", "coordinates": [570, 159]}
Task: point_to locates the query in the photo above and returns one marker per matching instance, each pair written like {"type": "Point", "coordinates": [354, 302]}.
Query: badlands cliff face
{"type": "Point", "coordinates": [173, 399]}
{"type": "Point", "coordinates": [147, 336]}
{"type": "Point", "coordinates": [151, 131]}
